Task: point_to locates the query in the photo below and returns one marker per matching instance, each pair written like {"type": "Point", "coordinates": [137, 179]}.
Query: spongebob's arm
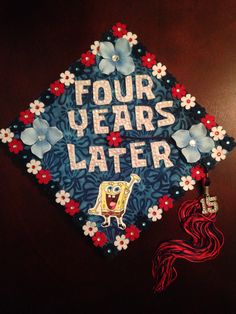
{"type": "Point", "coordinates": [96, 210]}
{"type": "Point", "coordinates": [98, 203]}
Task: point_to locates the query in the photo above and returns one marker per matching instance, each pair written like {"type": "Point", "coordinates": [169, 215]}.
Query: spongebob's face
{"type": "Point", "coordinates": [114, 194]}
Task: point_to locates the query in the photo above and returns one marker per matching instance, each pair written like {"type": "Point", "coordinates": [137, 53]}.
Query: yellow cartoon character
{"type": "Point", "coordinates": [112, 200]}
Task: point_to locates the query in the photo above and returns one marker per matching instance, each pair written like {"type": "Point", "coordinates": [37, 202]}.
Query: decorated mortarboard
{"type": "Point", "coordinates": [115, 140]}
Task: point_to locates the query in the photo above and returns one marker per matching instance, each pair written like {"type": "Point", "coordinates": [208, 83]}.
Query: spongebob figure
{"type": "Point", "coordinates": [112, 200]}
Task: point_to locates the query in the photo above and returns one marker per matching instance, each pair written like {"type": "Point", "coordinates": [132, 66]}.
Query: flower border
{"type": "Point", "coordinates": [58, 87]}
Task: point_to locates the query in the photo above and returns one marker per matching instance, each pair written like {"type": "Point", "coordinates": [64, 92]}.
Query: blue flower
{"type": "Point", "coordinates": [41, 137]}
{"type": "Point", "coordinates": [193, 142]}
{"type": "Point", "coordinates": [116, 57]}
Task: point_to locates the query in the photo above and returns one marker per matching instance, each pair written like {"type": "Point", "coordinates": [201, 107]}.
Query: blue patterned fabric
{"type": "Point", "coordinates": [82, 185]}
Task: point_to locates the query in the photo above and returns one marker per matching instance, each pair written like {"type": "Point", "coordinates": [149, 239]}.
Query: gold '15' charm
{"type": "Point", "coordinates": [209, 203]}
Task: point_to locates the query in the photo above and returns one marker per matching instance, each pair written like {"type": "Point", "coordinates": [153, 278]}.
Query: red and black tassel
{"type": "Point", "coordinates": [197, 217]}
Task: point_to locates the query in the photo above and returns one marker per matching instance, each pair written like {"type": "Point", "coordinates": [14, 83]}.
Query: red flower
{"type": "Point", "coordinates": [165, 203]}
{"type": "Point", "coordinates": [88, 58]}
{"type": "Point", "coordinates": [15, 146]}
{"type": "Point", "coordinates": [119, 30]}
{"type": "Point", "coordinates": [114, 139]}
{"type": "Point", "coordinates": [26, 117]}
{"type": "Point", "coordinates": [43, 176]}
{"type": "Point", "coordinates": [99, 239]}
{"type": "Point", "coordinates": [132, 232]}
{"type": "Point", "coordinates": [57, 88]}
{"type": "Point", "coordinates": [72, 208]}
{"type": "Point", "coordinates": [208, 121]}
{"type": "Point", "coordinates": [148, 60]}
{"type": "Point", "coordinates": [197, 173]}
{"type": "Point", "coordinates": [178, 91]}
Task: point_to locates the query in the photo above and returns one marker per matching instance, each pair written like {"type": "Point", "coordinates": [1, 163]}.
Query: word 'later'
{"type": "Point", "coordinates": [160, 150]}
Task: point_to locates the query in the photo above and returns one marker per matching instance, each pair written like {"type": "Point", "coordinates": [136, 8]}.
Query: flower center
{"type": "Point", "coordinates": [188, 101]}
{"type": "Point", "coordinates": [41, 137]}
{"type": "Point", "coordinates": [218, 154]}
{"type": "Point", "coordinates": [216, 133]}
{"type": "Point", "coordinates": [187, 182]}
{"type": "Point", "coordinates": [115, 58]}
{"type": "Point", "coordinates": [192, 143]}
{"type": "Point", "coordinates": [121, 242]}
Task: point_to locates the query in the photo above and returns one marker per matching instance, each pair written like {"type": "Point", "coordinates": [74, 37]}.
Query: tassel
{"type": "Point", "coordinates": [197, 218]}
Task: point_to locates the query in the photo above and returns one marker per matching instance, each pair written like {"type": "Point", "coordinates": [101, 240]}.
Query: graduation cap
{"type": "Point", "coordinates": [116, 140]}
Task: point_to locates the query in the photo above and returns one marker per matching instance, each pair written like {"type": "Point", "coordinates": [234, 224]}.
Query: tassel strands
{"type": "Point", "coordinates": [205, 244]}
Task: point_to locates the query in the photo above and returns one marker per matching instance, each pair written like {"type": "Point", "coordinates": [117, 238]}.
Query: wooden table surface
{"type": "Point", "coordinates": [46, 266]}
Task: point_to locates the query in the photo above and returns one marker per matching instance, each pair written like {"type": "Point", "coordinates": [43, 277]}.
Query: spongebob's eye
{"type": "Point", "coordinates": [109, 189]}
{"type": "Point", "coordinates": [116, 189]}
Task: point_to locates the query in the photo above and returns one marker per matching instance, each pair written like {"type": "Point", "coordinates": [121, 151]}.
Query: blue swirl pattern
{"type": "Point", "coordinates": [82, 185]}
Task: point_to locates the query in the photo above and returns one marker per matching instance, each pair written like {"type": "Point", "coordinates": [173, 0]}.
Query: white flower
{"type": "Point", "coordinates": [188, 101]}
{"type": "Point", "coordinates": [62, 197]}
{"type": "Point", "coordinates": [218, 153]}
{"type": "Point", "coordinates": [37, 107]}
{"type": "Point", "coordinates": [218, 133]}
{"type": "Point", "coordinates": [187, 183]}
{"type": "Point", "coordinates": [67, 78]}
{"type": "Point", "coordinates": [90, 228]}
{"type": "Point", "coordinates": [95, 47]}
{"type": "Point", "coordinates": [121, 242]}
{"type": "Point", "coordinates": [6, 135]}
{"type": "Point", "coordinates": [159, 70]}
{"type": "Point", "coordinates": [155, 213]}
{"type": "Point", "coordinates": [132, 38]}
{"type": "Point", "coordinates": [34, 166]}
